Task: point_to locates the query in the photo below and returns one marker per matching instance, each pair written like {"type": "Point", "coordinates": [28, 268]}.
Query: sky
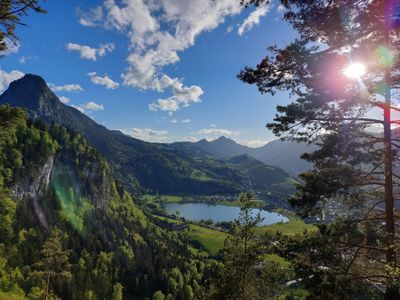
{"type": "Point", "coordinates": [158, 70]}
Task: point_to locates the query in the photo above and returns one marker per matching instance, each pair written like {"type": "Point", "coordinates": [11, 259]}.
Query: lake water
{"type": "Point", "coordinates": [217, 213]}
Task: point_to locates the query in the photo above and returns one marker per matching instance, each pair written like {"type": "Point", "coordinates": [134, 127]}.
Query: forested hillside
{"type": "Point", "coordinates": [67, 228]}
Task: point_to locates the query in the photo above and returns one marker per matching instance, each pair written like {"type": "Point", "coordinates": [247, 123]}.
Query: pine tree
{"type": "Point", "coordinates": [245, 274]}
{"type": "Point", "coordinates": [54, 262]}
{"type": "Point", "coordinates": [343, 66]}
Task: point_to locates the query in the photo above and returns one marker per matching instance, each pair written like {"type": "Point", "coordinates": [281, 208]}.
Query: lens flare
{"type": "Point", "coordinates": [355, 70]}
{"type": "Point", "coordinates": [74, 207]}
{"type": "Point", "coordinates": [386, 57]}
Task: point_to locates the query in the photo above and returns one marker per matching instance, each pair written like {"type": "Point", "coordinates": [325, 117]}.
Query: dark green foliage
{"type": "Point", "coordinates": [245, 275]}
{"type": "Point", "coordinates": [105, 244]}
{"type": "Point", "coordinates": [11, 12]}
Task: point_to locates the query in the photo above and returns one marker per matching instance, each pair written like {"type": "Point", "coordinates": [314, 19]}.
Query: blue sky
{"type": "Point", "coordinates": [160, 70]}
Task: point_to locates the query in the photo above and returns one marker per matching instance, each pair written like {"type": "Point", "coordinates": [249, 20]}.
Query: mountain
{"type": "Point", "coordinates": [283, 154]}
{"type": "Point", "coordinates": [264, 177]}
{"type": "Point", "coordinates": [222, 147]}
{"type": "Point", "coordinates": [150, 167]}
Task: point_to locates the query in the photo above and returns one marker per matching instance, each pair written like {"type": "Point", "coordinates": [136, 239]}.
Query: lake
{"type": "Point", "coordinates": [217, 213]}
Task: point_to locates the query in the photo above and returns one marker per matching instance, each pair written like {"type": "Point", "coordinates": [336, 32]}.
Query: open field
{"type": "Point", "coordinates": [293, 227]}
{"type": "Point", "coordinates": [205, 238]}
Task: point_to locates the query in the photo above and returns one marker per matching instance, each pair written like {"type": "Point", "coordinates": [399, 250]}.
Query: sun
{"type": "Point", "coordinates": [355, 70]}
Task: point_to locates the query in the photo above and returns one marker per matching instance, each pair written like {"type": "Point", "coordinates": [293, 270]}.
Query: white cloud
{"type": "Point", "coordinates": [90, 53]}
{"type": "Point", "coordinates": [157, 32]}
{"type": "Point", "coordinates": [190, 139]}
{"type": "Point", "coordinates": [81, 109]}
{"type": "Point", "coordinates": [254, 18]}
{"type": "Point", "coordinates": [217, 132]}
{"type": "Point", "coordinates": [66, 88]}
{"type": "Point", "coordinates": [64, 100]}
{"type": "Point", "coordinates": [89, 107]}
{"type": "Point", "coordinates": [90, 18]}
{"type": "Point", "coordinates": [212, 125]}
{"type": "Point", "coordinates": [184, 121]}
{"type": "Point", "coordinates": [7, 78]}
{"type": "Point", "coordinates": [24, 59]}
{"type": "Point", "coordinates": [147, 134]}
{"type": "Point", "coordinates": [182, 96]}
{"type": "Point", "coordinates": [253, 143]}
{"type": "Point", "coordinates": [281, 9]}
{"type": "Point", "coordinates": [105, 81]}
{"type": "Point", "coordinates": [12, 47]}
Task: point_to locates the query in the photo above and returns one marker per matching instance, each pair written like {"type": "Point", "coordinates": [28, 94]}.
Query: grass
{"type": "Point", "coordinates": [237, 202]}
{"type": "Point", "coordinates": [208, 239]}
{"type": "Point", "coordinates": [164, 198]}
{"type": "Point", "coordinates": [200, 175]}
{"type": "Point", "coordinates": [293, 227]}
{"type": "Point", "coordinates": [11, 296]}
{"type": "Point", "coordinates": [278, 260]}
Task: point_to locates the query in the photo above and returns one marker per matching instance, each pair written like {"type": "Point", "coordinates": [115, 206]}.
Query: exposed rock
{"type": "Point", "coordinates": [35, 190]}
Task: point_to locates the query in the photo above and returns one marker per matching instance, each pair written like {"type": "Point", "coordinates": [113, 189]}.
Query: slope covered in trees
{"type": "Point", "coordinates": [69, 230]}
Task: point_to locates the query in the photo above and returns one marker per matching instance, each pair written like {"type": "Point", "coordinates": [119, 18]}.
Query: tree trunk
{"type": "Point", "coordinates": [392, 288]}
{"type": "Point", "coordinates": [46, 297]}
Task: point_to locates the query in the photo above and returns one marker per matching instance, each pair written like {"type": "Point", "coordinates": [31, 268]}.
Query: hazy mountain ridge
{"type": "Point", "coordinates": [283, 154]}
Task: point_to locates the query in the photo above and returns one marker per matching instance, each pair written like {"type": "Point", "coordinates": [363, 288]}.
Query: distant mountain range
{"type": "Point", "coordinates": [180, 168]}
{"type": "Point", "coordinates": [282, 154]}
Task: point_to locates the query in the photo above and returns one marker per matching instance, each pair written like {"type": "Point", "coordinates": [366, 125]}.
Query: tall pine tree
{"type": "Point", "coordinates": [342, 70]}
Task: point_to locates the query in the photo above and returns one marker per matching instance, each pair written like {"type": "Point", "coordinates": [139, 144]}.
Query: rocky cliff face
{"type": "Point", "coordinates": [61, 177]}
{"type": "Point", "coordinates": [35, 189]}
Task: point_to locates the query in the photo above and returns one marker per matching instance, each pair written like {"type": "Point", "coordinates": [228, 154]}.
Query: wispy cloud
{"type": "Point", "coordinates": [254, 18]}
{"type": "Point", "coordinates": [64, 99]}
{"type": "Point", "coordinates": [217, 132]}
{"type": "Point", "coordinates": [147, 134]}
{"type": "Point", "coordinates": [104, 81]}
{"type": "Point", "coordinates": [253, 143]}
{"type": "Point", "coordinates": [87, 52]}
{"type": "Point", "coordinates": [24, 59]}
{"type": "Point", "coordinates": [184, 121]}
{"type": "Point", "coordinates": [65, 88]}
{"type": "Point", "coordinates": [90, 18]}
{"type": "Point", "coordinates": [89, 107]}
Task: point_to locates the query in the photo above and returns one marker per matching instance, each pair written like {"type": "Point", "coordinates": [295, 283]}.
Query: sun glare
{"type": "Point", "coordinates": [354, 70]}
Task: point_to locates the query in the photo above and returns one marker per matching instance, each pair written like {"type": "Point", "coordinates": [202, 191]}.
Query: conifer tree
{"type": "Point", "coordinates": [54, 262]}
{"type": "Point", "coordinates": [11, 12]}
{"type": "Point", "coordinates": [342, 71]}
{"type": "Point", "coordinates": [246, 275]}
